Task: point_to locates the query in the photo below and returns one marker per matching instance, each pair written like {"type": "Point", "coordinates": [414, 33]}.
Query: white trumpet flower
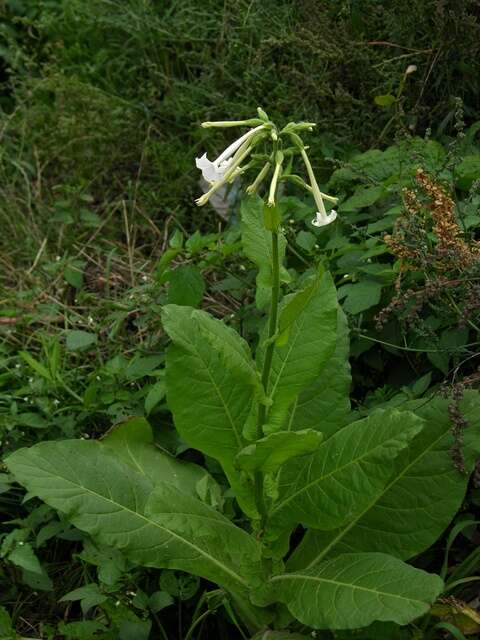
{"type": "Point", "coordinates": [323, 218]}
{"type": "Point", "coordinates": [215, 171]}
{"type": "Point", "coordinates": [230, 173]}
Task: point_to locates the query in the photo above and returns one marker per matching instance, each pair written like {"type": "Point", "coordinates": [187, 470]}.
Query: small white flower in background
{"type": "Point", "coordinates": [411, 69]}
{"type": "Point", "coordinates": [322, 218]}
{"type": "Point", "coordinates": [215, 171]}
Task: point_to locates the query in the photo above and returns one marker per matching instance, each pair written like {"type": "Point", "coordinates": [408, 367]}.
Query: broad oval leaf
{"type": "Point", "coordinates": [107, 498]}
{"type": "Point", "coordinates": [186, 516]}
{"type": "Point", "coordinates": [312, 331]}
{"type": "Point", "coordinates": [354, 590]}
{"type": "Point", "coordinates": [419, 500]}
{"type": "Point", "coordinates": [325, 404]}
{"type": "Point", "coordinates": [133, 443]}
{"type": "Point", "coordinates": [211, 388]}
{"type": "Point", "coordinates": [327, 489]}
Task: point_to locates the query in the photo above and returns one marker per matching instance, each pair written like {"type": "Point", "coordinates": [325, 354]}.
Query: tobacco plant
{"type": "Point", "coordinates": [362, 496]}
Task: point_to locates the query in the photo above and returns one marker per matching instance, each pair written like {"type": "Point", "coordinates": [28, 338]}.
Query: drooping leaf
{"type": "Point", "coordinates": [193, 519]}
{"type": "Point", "coordinates": [107, 498]}
{"type": "Point", "coordinates": [257, 246]}
{"type": "Point", "coordinates": [133, 443]}
{"type": "Point", "coordinates": [420, 499]}
{"type": "Point", "coordinates": [327, 489]}
{"type": "Point", "coordinates": [211, 388]}
{"type": "Point", "coordinates": [269, 453]}
{"type": "Point", "coordinates": [354, 590]}
{"type": "Point", "coordinates": [325, 404]}
{"type": "Point", "coordinates": [311, 322]}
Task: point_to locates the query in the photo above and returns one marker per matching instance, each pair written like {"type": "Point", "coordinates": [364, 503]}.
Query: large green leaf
{"type": "Point", "coordinates": [257, 246]}
{"type": "Point", "coordinates": [328, 488]}
{"type": "Point", "coordinates": [311, 329]}
{"type": "Point", "coordinates": [325, 404]}
{"type": "Point", "coordinates": [269, 453]}
{"type": "Point", "coordinates": [193, 519]}
{"type": "Point", "coordinates": [420, 499]}
{"type": "Point", "coordinates": [211, 388]}
{"type": "Point", "coordinates": [133, 443]}
{"type": "Point", "coordinates": [354, 590]}
{"type": "Point", "coordinates": [119, 507]}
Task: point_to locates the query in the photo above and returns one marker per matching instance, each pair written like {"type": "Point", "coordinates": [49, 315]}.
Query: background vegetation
{"type": "Point", "coordinates": [101, 102]}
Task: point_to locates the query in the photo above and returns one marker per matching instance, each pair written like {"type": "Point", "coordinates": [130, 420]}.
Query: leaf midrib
{"type": "Point", "coordinates": [301, 322]}
{"type": "Point", "coordinates": [334, 471]}
{"type": "Point", "coordinates": [372, 504]}
{"type": "Point", "coordinates": [100, 497]}
{"type": "Point", "coordinates": [238, 437]}
{"type": "Point", "coordinates": [303, 577]}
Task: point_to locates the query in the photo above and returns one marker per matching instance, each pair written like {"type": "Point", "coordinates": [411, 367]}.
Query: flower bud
{"type": "Point", "coordinates": [251, 122]}
{"type": "Point", "coordinates": [262, 114]}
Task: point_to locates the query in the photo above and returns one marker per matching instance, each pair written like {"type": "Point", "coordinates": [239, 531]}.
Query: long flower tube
{"type": "Point", "coordinates": [276, 174]}
{"type": "Point", "coordinates": [239, 157]}
{"type": "Point", "coordinates": [215, 171]}
{"type": "Point", "coordinates": [301, 183]}
{"type": "Point", "coordinates": [322, 218]}
{"type": "Point", "coordinates": [252, 188]}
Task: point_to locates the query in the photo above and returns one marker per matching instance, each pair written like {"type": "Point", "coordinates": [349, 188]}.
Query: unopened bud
{"type": "Point", "coordinates": [410, 69]}
{"type": "Point", "coordinates": [251, 122]}
{"type": "Point", "coordinates": [262, 114]}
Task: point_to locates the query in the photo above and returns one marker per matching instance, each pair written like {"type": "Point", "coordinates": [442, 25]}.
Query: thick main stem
{"type": "Point", "coordinates": [267, 365]}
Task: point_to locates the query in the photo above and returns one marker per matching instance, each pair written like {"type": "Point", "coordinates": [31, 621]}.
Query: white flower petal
{"type": "Point", "coordinates": [321, 219]}
{"type": "Point", "coordinates": [209, 169]}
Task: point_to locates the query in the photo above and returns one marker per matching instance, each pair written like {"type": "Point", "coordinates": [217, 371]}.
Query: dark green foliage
{"type": "Point", "coordinates": [110, 91]}
{"type": "Point", "coordinates": [100, 102]}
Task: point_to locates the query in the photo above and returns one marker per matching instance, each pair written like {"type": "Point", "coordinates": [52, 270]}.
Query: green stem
{"type": "Point", "coordinates": [267, 365]}
{"type": "Point", "coordinates": [204, 615]}
{"type": "Point", "coordinates": [69, 390]}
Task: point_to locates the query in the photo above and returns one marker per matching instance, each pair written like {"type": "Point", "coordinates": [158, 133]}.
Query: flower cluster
{"type": "Point", "coordinates": [275, 151]}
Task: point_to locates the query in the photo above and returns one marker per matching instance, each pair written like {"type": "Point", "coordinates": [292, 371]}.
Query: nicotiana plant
{"type": "Point", "coordinates": [362, 496]}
